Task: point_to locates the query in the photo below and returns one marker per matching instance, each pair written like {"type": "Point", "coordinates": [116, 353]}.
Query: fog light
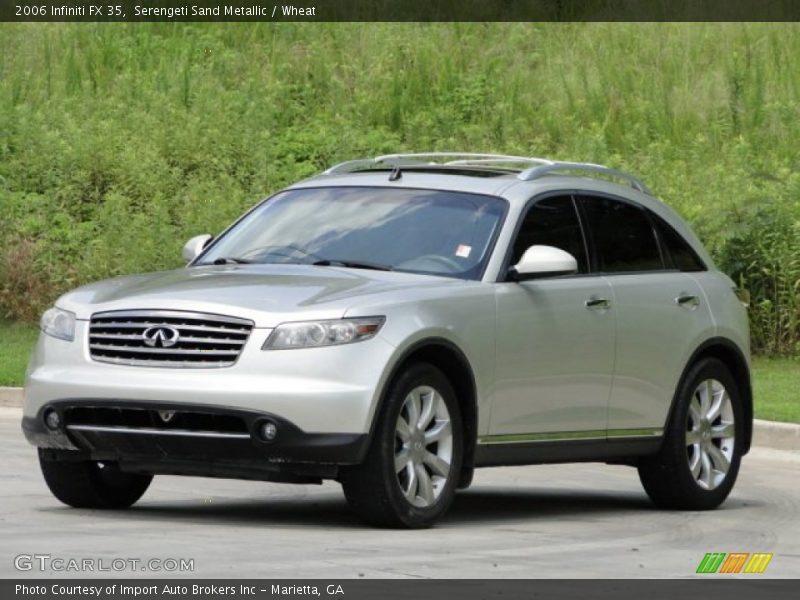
{"type": "Point", "coordinates": [52, 419]}
{"type": "Point", "coordinates": [269, 431]}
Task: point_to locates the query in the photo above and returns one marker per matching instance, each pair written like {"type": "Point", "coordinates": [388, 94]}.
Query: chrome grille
{"type": "Point", "coordinates": [160, 338]}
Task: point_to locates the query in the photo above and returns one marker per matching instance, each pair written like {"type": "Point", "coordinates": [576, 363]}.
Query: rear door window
{"type": "Point", "coordinates": [621, 235]}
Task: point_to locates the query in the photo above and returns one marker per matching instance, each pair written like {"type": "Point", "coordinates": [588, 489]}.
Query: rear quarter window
{"type": "Point", "coordinates": [678, 254]}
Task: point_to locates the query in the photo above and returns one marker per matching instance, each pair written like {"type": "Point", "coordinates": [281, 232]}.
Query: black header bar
{"type": "Point", "coordinates": [397, 10]}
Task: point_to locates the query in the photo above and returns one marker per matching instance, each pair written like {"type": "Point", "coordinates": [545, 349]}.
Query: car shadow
{"type": "Point", "coordinates": [483, 505]}
{"type": "Point", "coordinates": [329, 510]}
{"type": "Point", "coordinates": [473, 507]}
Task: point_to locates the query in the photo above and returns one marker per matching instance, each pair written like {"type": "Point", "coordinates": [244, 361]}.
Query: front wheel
{"type": "Point", "coordinates": [414, 462]}
{"type": "Point", "coordinates": [92, 484]}
{"type": "Point", "coordinates": [700, 458]}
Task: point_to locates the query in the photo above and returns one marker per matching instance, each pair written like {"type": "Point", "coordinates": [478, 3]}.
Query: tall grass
{"type": "Point", "coordinates": [117, 141]}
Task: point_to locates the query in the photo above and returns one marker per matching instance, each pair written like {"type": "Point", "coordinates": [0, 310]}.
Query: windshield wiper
{"type": "Point", "coordinates": [353, 264]}
{"type": "Point", "coordinates": [230, 260]}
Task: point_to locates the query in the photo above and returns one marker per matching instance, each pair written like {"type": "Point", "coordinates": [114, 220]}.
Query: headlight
{"type": "Point", "coordinates": [59, 324]}
{"type": "Point", "coordinates": [313, 334]}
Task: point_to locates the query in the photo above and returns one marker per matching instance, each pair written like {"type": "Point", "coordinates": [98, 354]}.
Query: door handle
{"type": "Point", "coordinates": [687, 301]}
{"type": "Point", "coordinates": [598, 303]}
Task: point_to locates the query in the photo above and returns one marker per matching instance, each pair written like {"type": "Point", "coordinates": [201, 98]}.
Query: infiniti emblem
{"type": "Point", "coordinates": [166, 415]}
{"type": "Point", "coordinates": [160, 336]}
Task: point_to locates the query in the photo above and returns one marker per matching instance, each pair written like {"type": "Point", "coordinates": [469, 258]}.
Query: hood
{"type": "Point", "coordinates": [266, 294]}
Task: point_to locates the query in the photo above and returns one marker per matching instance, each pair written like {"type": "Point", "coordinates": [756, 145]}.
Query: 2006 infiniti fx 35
{"type": "Point", "coordinates": [396, 322]}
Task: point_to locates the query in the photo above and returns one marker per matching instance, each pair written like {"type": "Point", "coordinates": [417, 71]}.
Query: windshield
{"type": "Point", "coordinates": [421, 231]}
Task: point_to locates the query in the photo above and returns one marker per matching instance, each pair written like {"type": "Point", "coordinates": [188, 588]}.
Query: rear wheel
{"type": "Point", "coordinates": [699, 462]}
{"type": "Point", "coordinates": [92, 484]}
{"type": "Point", "coordinates": [410, 474]}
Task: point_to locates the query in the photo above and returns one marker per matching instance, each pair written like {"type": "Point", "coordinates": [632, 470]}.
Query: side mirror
{"type": "Point", "coordinates": [544, 261]}
{"type": "Point", "coordinates": [194, 246]}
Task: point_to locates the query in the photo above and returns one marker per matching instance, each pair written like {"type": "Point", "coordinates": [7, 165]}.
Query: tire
{"type": "Point", "coordinates": [689, 472]}
{"type": "Point", "coordinates": [91, 484]}
{"type": "Point", "coordinates": [386, 496]}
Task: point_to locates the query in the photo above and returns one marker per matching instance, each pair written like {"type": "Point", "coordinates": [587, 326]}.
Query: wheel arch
{"type": "Point", "coordinates": [732, 356]}
{"type": "Point", "coordinates": [446, 356]}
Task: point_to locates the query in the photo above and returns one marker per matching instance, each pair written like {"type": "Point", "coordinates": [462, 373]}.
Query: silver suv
{"type": "Point", "coordinates": [396, 322]}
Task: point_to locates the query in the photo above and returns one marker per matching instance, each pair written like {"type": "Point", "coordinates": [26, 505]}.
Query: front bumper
{"type": "Point", "coordinates": [321, 399]}
{"type": "Point", "coordinates": [190, 440]}
{"type": "Point", "coordinates": [329, 390]}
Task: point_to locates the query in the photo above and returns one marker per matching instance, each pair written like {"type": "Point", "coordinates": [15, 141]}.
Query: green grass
{"type": "Point", "coordinates": [776, 387]}
{"type": "Point", "coordinates": [776, 381]}
{"type": "Point", "coordinates": [16, 343]}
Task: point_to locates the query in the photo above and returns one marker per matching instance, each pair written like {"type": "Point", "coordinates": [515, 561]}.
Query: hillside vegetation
{"type": "Point", "coordinates": [119, 141]}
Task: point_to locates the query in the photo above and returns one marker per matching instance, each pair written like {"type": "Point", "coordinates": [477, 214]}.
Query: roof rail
{"type": "Point", "coordinates": [529, 167]}
{"type": "Point", "coordinates": [536, 172]}
{"type": "Point", "coordinates": [349, 166]}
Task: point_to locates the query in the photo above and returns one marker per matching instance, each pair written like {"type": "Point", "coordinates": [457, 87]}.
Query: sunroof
{"type": "Point", "coordinates": [460, 170]}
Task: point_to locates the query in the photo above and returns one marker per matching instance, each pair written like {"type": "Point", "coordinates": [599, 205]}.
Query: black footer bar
{"type": "Point", "coordinates": [713, 587]}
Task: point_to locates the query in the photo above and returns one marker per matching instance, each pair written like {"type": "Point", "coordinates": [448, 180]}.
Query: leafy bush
{"type": "Point", "coordinates": [24, 291]}
{"type": "Point", "coordinates": [762, 255]}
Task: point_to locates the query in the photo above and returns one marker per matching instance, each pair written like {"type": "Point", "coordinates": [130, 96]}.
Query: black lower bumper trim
{"type": "Point", "coordinates": [89, 430]}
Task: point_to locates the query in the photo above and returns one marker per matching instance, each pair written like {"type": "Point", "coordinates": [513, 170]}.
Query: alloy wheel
{"type": "Point", "coordinates": [423, 446]}
{"type": "Point", "coordinates": [710, 434]}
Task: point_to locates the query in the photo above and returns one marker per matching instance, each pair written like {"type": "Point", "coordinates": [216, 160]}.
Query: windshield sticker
{"type": "Point", "coordinates": [463, 251]}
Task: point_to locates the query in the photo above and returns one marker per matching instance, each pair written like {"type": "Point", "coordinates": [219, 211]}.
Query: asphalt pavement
{"type": "Point", "coordinates": [553, 521]}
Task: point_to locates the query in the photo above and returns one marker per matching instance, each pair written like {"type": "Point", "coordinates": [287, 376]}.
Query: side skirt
{"type": "Point", "coordinates": [619, 446]}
